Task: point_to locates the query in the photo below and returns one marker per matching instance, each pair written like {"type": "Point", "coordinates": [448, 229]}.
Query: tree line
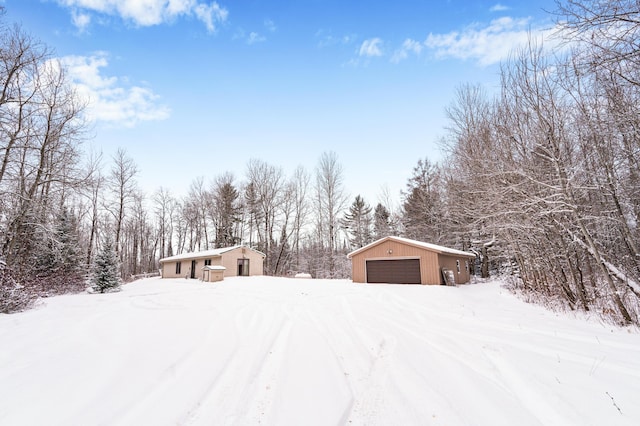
{"type": "Point", "coordinates": [547, 170]}
{"type": "Point", "coordinates": [540, 180]}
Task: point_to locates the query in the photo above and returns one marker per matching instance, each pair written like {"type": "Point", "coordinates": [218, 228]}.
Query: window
{"type": "Point", "coordinates": [458, 266]}
{"type": "Point", "coordinates": [178, 267]}
{"type": "Point", "coordinates": [207, 262]}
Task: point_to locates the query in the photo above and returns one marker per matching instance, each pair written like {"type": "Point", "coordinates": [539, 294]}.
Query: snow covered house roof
{"type": "Point", "coordinates": [207, 253]}
{"type": "Point", "coordinates": [433, 247]}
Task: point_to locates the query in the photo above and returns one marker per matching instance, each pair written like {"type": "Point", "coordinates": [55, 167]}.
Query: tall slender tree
{"type": "Point", "coordinates": [330, 202]}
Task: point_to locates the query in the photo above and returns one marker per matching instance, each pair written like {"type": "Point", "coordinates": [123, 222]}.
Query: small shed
{"type": "Point", "coordinates": [237, 261]}
{"type": "Point", "coordinates": [403, 261]}
{"type": "Point", "coordinates": [213, 273]}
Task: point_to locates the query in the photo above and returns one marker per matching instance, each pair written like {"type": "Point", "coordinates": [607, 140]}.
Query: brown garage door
{"type": "Point", "coordinates": [400, 271]}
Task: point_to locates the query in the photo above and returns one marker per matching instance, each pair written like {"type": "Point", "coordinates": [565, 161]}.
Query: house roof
{"type": "Point", "coordinates": [415, 243]}
{"type": "Point", "coordinates": [207, 253]}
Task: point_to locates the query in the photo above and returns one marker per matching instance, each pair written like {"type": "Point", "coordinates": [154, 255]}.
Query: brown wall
{"type": "Point", "coordinates": [449, 262]}
{"type": "Point", "coordinates": [429, 269]}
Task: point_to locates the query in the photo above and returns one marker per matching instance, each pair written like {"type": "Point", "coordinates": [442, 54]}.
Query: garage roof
{"type": "Point", "coordinates": [427, 246]}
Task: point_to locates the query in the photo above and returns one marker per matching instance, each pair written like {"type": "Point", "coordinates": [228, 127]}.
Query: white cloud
{"type": "Point", "coordinates": [151, 12]}
{"type": "Point", "coordinates": [326, 39]}
{"type": "Point", "coordinates": [255, 38]}
{"type": "Point", "coordinates": [211, 14]}
{"type": "Point", "coordinates": [409, 46]}
{"type": "Point", "coordinates": [109, 98]}
{"type": "Point", "coordinates": [371, 48]}
{"type": "Point", "coordinates": [80, 20]}
{"type": "Point", "coordinates": [487, 45]}
{"type": "Point", "coordinates": [499, 8]}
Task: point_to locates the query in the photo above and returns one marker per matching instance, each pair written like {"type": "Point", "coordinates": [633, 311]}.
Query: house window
{"type": "Point", "coordinates": [178, 267]}
{"type": "Point", "coordinates": [458, 266]}
{"type": "Point", "coordinates": [207, 262]}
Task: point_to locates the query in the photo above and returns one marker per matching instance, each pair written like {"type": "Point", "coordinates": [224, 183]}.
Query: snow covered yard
{"type": "Point", "coordinates": [265, 350]}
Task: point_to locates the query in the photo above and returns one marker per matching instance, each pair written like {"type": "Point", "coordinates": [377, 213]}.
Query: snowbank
{"type": "Point", "coordinates": [286, 351]}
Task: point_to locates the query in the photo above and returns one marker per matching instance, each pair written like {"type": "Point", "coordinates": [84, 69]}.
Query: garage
{"type": "Point", "coordinates": [398, 271]}
{"type": "Point", "coordinates": [397, 260]}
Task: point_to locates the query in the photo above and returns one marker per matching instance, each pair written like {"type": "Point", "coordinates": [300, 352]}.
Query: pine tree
{"type": "Point", "coordinates": [227, 207]}
{"type": "Point", "coordinates": [423, 210]}
{"type": "Point", "coordinates": [57, 259]}
{"type": "Point", "coordinates": [105, 272]}
{"type": "Point", "coordinates": [357, 221]}
{"type": "Point", "coordinates": [381, 222]}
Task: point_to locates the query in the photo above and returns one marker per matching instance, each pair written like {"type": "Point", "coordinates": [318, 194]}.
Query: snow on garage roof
{"type": "Point", "coordinates": [428, 246]}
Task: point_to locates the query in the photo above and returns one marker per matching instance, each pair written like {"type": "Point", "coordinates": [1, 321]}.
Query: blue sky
{"type": "Point", "coordinates": [196, 88]}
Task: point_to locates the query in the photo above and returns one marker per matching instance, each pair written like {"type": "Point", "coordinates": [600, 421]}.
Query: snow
{"type": "Point", "coordinates": [264, 350]}
{"type": "Point", "coordinates": [428, 246]}
{"type": "Point", "coordinates": [302, 275]}
{"type": "Point", "coordinates": [214, 268]}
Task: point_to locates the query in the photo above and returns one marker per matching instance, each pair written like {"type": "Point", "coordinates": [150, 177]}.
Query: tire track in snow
{"type": "Point", "coordinates": [183, 372]}
{"type": "Point", "coordinates": [254, 365]}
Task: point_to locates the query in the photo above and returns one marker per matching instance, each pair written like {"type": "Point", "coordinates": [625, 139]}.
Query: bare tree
{"type": "Point", "coordinates": [330, 202]}
{"type": "Point", "coordinates": [93, 191]}
{"type": "Point", "coordinates": [300, 187]}
{"type": "Point", "coordinates": [41, 128]}
{"type": "Point", "coordinates": [610, 30]}
{"type": "Point", "coordinates": [537, 179]}
{"type": "Point", "coordinates": [41, 153]}
{"type": "Point", "coordinates": [164, 204]}
{"type": "Point", "coordinates": [267, 182]}
{"type": "Point", "coordinates": [122, 184]}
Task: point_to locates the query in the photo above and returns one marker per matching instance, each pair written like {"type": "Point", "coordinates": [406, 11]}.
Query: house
{"type": "Point", "coordinates": [214, 265]}
{"type": "Point", "coordinates": [404, 261]}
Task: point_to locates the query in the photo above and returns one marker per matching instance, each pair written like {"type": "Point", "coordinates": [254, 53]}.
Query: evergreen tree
{"type": "Point", "coordinates": [105, 272]}
{"type": "Point", "coordinates": [423, 209]}
{"type": "Point", "coordinates": [57, 259]}
{"type": "Point", "coordinates": [381, 222]}
{"type": "Point", "coordinates": [357, 222]}
{"type": "Point", "coordinates": [227, 214]}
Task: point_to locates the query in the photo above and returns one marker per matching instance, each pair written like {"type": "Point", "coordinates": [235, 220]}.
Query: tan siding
{"type": "Point", "coordinates": [169, 269]}
{"type": "Point", "coordinates": [449, 262]}
{"type": "Point", "coordinates": [230, 261]}
{"type": "Point", "coordinates": [429, 270]}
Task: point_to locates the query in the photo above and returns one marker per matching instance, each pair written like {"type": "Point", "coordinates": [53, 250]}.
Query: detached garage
{"type": "Point", "coordinates": [403, 261]}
